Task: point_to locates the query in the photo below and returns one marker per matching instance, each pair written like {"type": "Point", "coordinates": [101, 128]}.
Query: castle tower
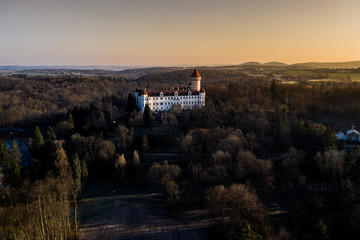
{"type": "Point", "coordinates": [195, 80]}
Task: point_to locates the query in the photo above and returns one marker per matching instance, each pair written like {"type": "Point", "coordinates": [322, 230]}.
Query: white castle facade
{"type": "Point", "coordinates": [186, 97]}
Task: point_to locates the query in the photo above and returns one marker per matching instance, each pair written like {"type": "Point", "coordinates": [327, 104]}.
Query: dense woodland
{"type": "Point", "coordinates": [256, 142]}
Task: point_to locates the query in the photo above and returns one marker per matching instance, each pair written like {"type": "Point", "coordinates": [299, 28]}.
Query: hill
{"type": "Point", "coordinates": [351, 64]}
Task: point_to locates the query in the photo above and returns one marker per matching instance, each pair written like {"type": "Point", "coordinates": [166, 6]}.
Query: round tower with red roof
{"type": "Point", "coordinates": [195, 80]}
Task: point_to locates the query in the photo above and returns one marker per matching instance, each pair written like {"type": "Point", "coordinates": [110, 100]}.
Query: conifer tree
{"type": "Point", "coordinates": [37, 143]}
{"type": "Point", "coordinates": [50, 135]}
{"type": "Point", "coordinates": [14, 168]}
{"type": "Point", "coordinates": [131, 103]}
{"type": "Point", "coordinates": [147, 116]}
{"type": "Point", "coordinates": [281, 132]}
{"type": "Point", "coordinates": [4, 153]}
{"type": "Point", "coordinates": [71, 121]}
{"type": "Point", "coordinates": [5, 158]}
{"type": "Point", "coordinates": [50, 149]}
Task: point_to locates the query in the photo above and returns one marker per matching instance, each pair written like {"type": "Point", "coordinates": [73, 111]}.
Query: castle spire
{"type": "Point", "coordinates": [195, 80]}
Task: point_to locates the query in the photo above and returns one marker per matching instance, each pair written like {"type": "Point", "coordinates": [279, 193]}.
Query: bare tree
{"type": "Point", "coordinates": [120, 165]}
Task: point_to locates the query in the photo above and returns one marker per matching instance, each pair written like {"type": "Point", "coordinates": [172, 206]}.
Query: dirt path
{"type": "Point", "coordinates": [131, 213]}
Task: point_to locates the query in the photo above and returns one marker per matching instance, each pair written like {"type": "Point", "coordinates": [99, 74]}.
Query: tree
{"type": "Point", "coordinates": [76, 168]}
{"type": "Point", "coordinates": [37, 143]}
{"type": "Point", "coordinates": [147, 116]}
{"type": "Point", "coordinates": [243, 231]}
{"type": "Point", "coordinates": [216, 199]}
{"type": "Point", "coordinates": [330, 165]}
{"type": "Point", "coordinates": [50, 149]}
{"type": "Point", "coordinates": [131, 103]}
{"type": "Point", "coordinates": [84, 171]}
{"type": "Point", "coordinates": [5, 159]}
{"type": "Point", "coordinates": [120, 165]}
{"type": "Point", "coordinates": [50, 135]}
{"type": "Point", "coordinates": [136, 158]}
{"type": "Point", "coordinates": [71, 121]}
{"type": "Point", "coordinates": [170, 188]}
{"type": "Point", "coordinates": [76, 186]}
{"type": "Point", "coordinates": [241, 205]}
{"type": "Point", "coordinates": [281, 140]}
{"type": "Point", "coordinates": [62, 165]}
{"type": "Point", "coordinates": [274, 90]}
{"type": "Point", "coordinates": [14, 175]}
{"type": "Point", "coordinates": [145, 144]}
{"type": "Point", "coordinates": [257, 172]}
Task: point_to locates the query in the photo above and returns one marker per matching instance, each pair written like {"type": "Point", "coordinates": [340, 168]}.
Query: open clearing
{"type": "Point", "coordinates": [111, 210]}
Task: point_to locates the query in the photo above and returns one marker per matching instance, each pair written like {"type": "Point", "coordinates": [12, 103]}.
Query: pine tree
{"type": "Point", "coordinates": [4, 153]}
{"type": "Point", "coordinates": [50, 135]}
{"type": "Point", "coordinates": [10, 160]}
{"type": "Point", "coordinates": [147, 116]}
{"type": "Point", "coordinates": [274, 90]}
{"type": "Point", "coordinates": [37, 143]}
{"type": "Point", "coordinates": [50, 149]}
{"type": "Point", "coordinates": [14, 170]}
{"type": "Point", "coordinates": [71, 121]}
{"type": "Point", "coordinates": [281, 132]}
{"type": "Point", "coordinates": [5, 157]}
{"type": "Point", "coordinates": [131, 103]}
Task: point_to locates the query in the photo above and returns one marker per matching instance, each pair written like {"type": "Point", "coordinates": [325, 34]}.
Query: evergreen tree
{"type": "Point", "coordinates": [50, 149]}
{"type": "Point", "coordinates": [281, 140]}
{"type": "Point", "coordinates": [147, 116]}
{"type": "Point", "coordinates": [131, 103]}
{"type": "Point", "coordinates": [10, 161]}
{"type": "Point", "coordinates": [14, 170]}
{"type": "Point", "coordinates": [50, 135]}
{"type": "Point", "coordinates": [5, 156]}
{"type": "Point", "coordinates": [71, 121]}
{"type": "Point", "coordinates": [274, 90]}
{"type": "Point", "coordinates": [37, 143]}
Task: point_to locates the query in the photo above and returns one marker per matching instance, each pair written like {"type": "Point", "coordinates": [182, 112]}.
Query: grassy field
{"type": "Point", "coordinates": [355, 77]}
{"type": "Point", "coordinates": [114, 210]}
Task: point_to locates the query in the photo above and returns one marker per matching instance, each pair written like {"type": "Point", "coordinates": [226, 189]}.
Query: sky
{"type": "Point", "coordinates": [177, 32]}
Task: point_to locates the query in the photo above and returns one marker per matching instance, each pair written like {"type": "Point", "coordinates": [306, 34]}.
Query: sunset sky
{"type": "Point", "coordinates": [172, 32]}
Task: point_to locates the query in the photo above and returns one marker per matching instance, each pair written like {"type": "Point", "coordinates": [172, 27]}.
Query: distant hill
{"type": "Point", "coordinates": [351, 64]}
{"type": "Point", "coordinates": [250, 64]}
{"type": "Point", "coordinates": [73, 67]}
{"type": "Point", "coordinates": [275, 64]}
{"type": "Point", "coordinates": [139, 72]}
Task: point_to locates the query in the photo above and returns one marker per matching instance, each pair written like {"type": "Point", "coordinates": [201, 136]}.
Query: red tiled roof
{"type": "Point", "coordinates": [196, 74]}
{"type": "Point", "coordinates": [202, 90]}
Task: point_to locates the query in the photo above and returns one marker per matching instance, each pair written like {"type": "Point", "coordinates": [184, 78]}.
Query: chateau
{"type": "Point", "coordinates": [186, 97]}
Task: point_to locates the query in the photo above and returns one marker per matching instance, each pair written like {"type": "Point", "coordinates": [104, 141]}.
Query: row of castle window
{"type": "Point", "coordinates": [168, 98]}
{"type": "Point", "coordinates": [171, 104]}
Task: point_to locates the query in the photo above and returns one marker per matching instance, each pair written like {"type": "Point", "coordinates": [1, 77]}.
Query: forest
{"type": "Point", "coordinates": [258, 143]}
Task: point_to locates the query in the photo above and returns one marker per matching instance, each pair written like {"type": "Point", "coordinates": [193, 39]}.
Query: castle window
{"type": "Point", "coordinates": [161, 98]}
{"type": "Point", "coordinates": [176, 93]}
{"type": "Point", "coordinates": [161, 94]}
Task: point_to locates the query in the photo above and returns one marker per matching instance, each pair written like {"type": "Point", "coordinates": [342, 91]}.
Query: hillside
{"type": "Point", "coordinates": [351, 64]}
